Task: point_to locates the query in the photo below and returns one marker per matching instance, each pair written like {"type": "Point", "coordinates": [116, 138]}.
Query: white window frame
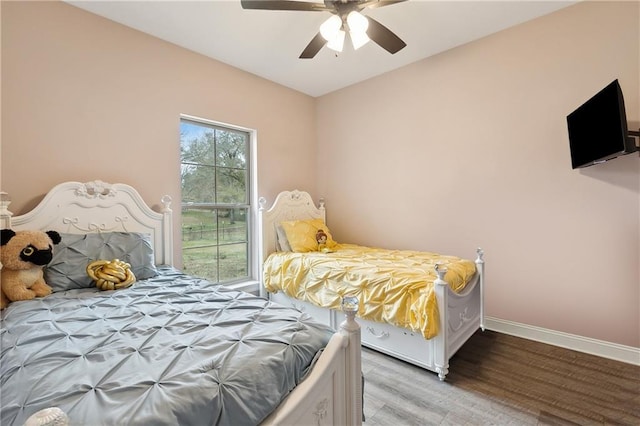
{"type": "Point", "coordinates": [252, 283]}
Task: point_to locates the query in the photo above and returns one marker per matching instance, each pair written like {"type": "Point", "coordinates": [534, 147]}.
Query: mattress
{"type": "Point", "coordinates": [394, 286]}
{"type": "Point", "coordinates": [170, 350]}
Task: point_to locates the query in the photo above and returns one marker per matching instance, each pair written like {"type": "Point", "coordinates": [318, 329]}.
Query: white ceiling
{"type": "Point", "coordinates": [268, 43]}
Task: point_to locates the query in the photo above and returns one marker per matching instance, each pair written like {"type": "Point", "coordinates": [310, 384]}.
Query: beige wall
{"type": "Point", "coordinates": [85, 98]}
{"type": "Point", "coordinates": [464, 149]}
{"type": "Point", "coordinates": [469, 148]}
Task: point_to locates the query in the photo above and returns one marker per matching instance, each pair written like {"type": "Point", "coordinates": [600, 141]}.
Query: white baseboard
{"type": "Point", "coordinates": [601, 348]}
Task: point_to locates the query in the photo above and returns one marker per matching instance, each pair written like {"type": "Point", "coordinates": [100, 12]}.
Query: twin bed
{"type": "Point", "coordinates": [416, 306]}
{"type": "Point", "coordinates": [170, 349]}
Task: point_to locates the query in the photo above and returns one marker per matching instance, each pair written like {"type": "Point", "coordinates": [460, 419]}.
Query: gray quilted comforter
{"type": "Point", "coordinates": [172, 350]}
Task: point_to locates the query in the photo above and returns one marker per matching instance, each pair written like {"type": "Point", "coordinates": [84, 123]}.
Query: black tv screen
{"type": "Point", "coordinates": [598, 128]}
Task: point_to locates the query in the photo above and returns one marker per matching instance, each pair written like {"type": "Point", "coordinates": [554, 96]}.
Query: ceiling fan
{"type": "Point", "coordinates": [346, 17]}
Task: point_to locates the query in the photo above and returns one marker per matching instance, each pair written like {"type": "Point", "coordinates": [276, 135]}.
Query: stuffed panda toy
{"type": "Point", "coordinates": [23, 255]}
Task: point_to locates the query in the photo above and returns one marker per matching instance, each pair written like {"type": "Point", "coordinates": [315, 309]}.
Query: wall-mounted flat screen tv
{"type": "Point", "coordinates": [598, 128]}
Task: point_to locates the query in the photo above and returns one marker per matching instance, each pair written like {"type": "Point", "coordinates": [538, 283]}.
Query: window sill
{"type": "Point", "coordinates": [252, 287]}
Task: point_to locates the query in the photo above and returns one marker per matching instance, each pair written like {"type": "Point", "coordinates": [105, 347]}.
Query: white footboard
{"type": "Point", "coordinates": [463, 315]}
{"type": "Point", "coordinates": [332, 393]}
{"type": "Point", "coordinates": [460, 319]}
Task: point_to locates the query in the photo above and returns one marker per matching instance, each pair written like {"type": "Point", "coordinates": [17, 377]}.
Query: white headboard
{"type": "Point", "coordinates": [289, 205]}
{"type": "Point", "coordinates": [80, 208]}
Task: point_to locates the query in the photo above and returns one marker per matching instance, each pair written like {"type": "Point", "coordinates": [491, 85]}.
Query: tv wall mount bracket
{"type": "Point", "coordinates": [635, 134]}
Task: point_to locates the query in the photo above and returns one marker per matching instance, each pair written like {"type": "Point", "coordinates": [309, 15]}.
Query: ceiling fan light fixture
{"type": "Point", "coordinates": [357, 22]}
{"type": "Point", "coordinates": [330, 28]}
{"type": "Point", "coordinates": [358, 39]}
{"type": "Point", "coordinates": [358, 26]}
{"type": "Point", "coordinates": [337, 43]}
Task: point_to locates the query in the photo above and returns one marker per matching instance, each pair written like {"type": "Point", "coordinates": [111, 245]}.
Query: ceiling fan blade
{"type": "Point", "coordinates": [313, 47]}
{"type": "Point", "coordinates": [372, 4]}
{"type": "Point", "coordinates": [384, 36]}
{"type": "Point", "coordinates": [283, 5]}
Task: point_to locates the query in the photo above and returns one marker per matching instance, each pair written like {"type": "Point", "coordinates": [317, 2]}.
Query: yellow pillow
{"type": "Point", "coordinates": [301, 235]}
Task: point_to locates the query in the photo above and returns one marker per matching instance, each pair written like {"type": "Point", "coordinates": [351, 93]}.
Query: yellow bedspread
{"type": "Point", "coordinates": [393, 286]}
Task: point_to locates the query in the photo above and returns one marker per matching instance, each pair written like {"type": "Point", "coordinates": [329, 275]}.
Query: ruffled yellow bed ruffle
{"type": "Point", "coordinates": [393, 286]}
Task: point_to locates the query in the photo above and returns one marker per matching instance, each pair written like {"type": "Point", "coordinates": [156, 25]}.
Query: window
{"type": "Point", "coordinates": [217, 219]}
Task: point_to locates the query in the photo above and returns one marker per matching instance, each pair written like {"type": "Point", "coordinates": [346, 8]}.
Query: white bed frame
{"type": "Point", "coordinates": [461, 317]}
{"type": "Point", "coordinates": [330, 395]}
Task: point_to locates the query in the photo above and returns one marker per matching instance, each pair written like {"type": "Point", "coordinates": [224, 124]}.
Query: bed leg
{"type": "Point", "coordinates": [442, 372]}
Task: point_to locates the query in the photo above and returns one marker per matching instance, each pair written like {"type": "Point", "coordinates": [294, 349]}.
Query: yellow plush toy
{"type": "Point", "coordinates": [23, 254]}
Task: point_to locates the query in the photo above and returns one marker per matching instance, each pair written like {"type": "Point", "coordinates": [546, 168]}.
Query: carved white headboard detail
{"type": "Point", "coordinates": [288, 205]}
{"type": "Point", "coordinates": [97, 206]}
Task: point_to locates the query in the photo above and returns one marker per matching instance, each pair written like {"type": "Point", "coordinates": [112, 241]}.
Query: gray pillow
{"type": "Point", "coordinates": [282, 244]}
{"type": "Point", "coordinates": [68, 268]}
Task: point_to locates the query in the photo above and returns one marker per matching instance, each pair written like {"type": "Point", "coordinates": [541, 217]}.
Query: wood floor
{"type": "Point", "coordinates": [496, 379]}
